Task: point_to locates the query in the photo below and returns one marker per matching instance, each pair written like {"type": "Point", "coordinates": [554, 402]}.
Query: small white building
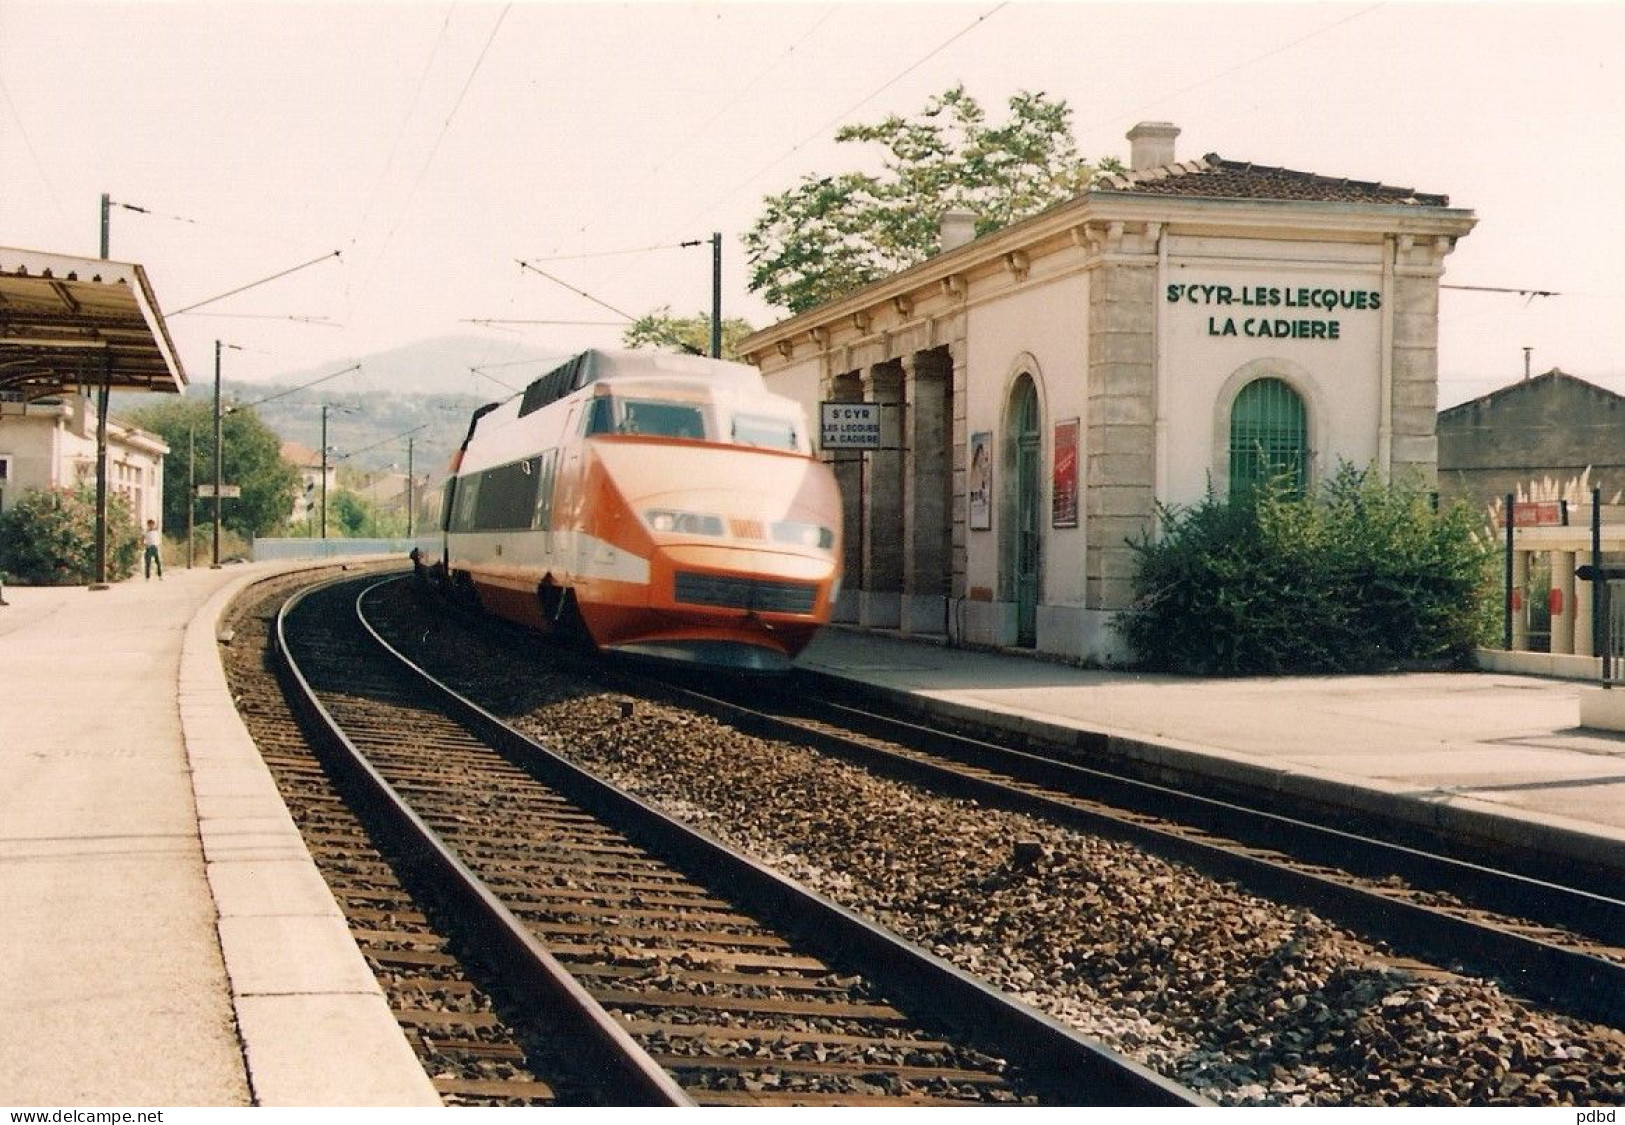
{"type": "Point", "coordinates": [51, 443]}
{"type": "Point", "coordinates": [307, 500]}
{"type": "Point", "coordinates": [1042, 389]}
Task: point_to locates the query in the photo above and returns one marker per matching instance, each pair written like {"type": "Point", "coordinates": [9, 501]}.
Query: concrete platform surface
{"type": "Point", "coordinates": [1498, 756]}
{"type": "Point", "coordinates": [166, 938]}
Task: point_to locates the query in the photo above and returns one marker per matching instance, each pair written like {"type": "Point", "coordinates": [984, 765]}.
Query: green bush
{"type": "Point", "coordinates": [1356, 576]}
{"type": "Point", "coordinates": [48, 538]}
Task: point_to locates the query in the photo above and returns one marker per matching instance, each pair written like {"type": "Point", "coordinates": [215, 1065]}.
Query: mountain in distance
{"type": "Point", "coordinates": [408, 405]}
{"type": "Point", "coordinates": [454, 365]}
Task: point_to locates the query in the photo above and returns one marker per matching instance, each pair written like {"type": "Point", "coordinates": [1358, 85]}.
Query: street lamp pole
{"type": "Point", "coordinates": [102, 395]}
{"type": "Point", "coordinates": [191, 493]}
{"type": "Point", "coordinates": [324, 470]}
{"type": "Point", "coordinates": [411, 488]}
{"type": "Point", "coordinates": [219, 445]}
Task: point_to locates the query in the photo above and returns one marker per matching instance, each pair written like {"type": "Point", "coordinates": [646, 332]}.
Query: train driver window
{"type": "Point", "coordinates": [662, 419]}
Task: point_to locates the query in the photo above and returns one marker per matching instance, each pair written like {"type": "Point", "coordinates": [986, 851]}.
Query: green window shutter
{"type": "Point", "coordinates": [1269, 437]}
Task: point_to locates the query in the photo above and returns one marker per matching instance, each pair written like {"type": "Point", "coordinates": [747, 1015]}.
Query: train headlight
{"type": "Point", "coordinates": [672, 521]}
{"type": "Point", "coordinates": [803, 534]}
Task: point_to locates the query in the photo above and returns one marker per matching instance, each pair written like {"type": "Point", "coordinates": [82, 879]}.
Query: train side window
{"type": "Point", "coordinates": [507, 499]}
{"type": "Point", "coordinates": [462, 511]}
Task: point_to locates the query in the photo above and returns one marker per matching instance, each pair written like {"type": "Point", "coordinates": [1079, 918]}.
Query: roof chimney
{"type": "Point", "coordinates": [1151, 145]}
{"type": "Point", "coordinates": [955, 229]}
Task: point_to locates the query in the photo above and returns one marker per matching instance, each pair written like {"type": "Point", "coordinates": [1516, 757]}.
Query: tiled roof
{"type": "Point", "coordinates": [1214, 177]}
{"type": "Point", "coordinates": [302, 456]}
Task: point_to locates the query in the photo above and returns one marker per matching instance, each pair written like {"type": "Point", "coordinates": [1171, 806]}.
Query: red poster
{"type": "Point", "coordinates": [1064, 492]}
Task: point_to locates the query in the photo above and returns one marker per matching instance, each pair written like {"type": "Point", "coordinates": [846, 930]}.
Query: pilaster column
{"type": "Point", "coordinates": [881, 603]}
{"type": "Point", "coordinates": [1561, 601]}
{"type": "Point", "coordinates": [1119, 493]}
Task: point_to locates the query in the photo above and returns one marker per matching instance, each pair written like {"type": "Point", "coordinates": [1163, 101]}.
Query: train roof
{"type": "Point", "coordinates": [598, 364]}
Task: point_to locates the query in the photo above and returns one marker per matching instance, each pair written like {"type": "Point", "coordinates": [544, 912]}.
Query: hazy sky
{"type": "Point", "coordinates": [436, 145]}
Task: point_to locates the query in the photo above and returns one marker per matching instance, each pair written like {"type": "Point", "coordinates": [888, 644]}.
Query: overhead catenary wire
{"type": "Point", "coordinates": [254, 284]}
{"type": "Point", "coordinates": [704, 129]}
{"type": "Point", "coordinates": [428, 161]}
{"type": "Point", "coordinates": [1238, 67]}
{"type": "Point", "coordinates": [825, 127]}
{"type": "Point", "coordinates": [294, 390]}
{"type": "Point", "coordinates": [579, 292]}
{"type": "Point", "coordinates": [28, 143]}
{"type": "Point", "coordinates": [616, 253]}
{"type": "Point", "coordinates": [1531, 294]}
{"type": "Point", "coordinates": [385, 441]}
{"type": "Point", "coordinates": [496, 321]}
{"type": "Point", "coordinates": [729, 194]}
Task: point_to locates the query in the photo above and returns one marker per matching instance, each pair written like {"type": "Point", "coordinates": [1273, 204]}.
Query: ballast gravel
{"type": "Point", "coordinates": [1246, 1001]}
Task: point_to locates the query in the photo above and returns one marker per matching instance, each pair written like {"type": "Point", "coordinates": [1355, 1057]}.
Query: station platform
{"type": "Point", "coordinates": [1481, 756]}
{"type": "Point", "coordinates": [168, 941]}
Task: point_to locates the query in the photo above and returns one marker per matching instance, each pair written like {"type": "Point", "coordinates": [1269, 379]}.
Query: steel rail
{"type": "Point", "coordinates": [1583, 984]}
{"type": "Point", "coordinates": [1075, 1070]}
{"type": "Point", "coordinates": [1492, 888]}
{"type": "Point", "coordinates": [524, 959]}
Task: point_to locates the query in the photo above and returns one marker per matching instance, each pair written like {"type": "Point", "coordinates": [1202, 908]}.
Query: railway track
{"type": "Point", "coordinates": [477, 1049]}
{"type": "Point", "coordinates": [692, 973]}
{"type": "Point", "coordinates": [1561, 945]}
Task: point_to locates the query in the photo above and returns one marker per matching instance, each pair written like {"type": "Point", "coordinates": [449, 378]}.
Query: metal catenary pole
{"type": "Point", "coordinates": [716, 295]}
{"type": "Point", "coordinates": [215, 558]}
{"type": "Point", "coordinates": [1506, 608]}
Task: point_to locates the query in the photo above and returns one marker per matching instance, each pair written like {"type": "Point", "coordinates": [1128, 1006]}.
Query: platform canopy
{"type": "Point", "coordinates": [67, 322]}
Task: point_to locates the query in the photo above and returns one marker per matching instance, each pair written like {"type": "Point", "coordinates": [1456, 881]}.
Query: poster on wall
{"type": "Point", "coordinates": [1064, 493]}
{"type": "Point", "coordinates": [979, 488]}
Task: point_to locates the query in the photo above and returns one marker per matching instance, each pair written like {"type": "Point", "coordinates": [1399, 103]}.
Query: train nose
{"type": "Point", "coordinates": [738, 581]}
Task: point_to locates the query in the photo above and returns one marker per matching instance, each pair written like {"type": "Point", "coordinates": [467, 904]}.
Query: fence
{"type": "Point", "coordinates": [1612, 647]}
{"type": "Point", "coordinates": [267, 549]}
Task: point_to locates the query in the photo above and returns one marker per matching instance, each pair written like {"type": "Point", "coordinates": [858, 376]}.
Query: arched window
{"type": "Point", "coordinates": [1269, 436]}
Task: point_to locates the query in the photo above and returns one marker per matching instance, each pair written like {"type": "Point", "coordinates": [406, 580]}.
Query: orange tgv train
{"type": "Point", "coordinates": [663, 505]}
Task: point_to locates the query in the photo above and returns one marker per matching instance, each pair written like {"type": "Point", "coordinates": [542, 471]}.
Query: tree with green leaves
{"type": "Point", "coordinates": [660, 329]}
{"type": "Point", "coordinates": [251, 459]}
{"type": "Point", "coordinates": [833, 234]}
{"type": "Point", "coordinates": [48, 537]}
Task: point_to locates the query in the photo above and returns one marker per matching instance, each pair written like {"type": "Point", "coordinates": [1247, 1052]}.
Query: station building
{"type": "Point", "coordinates": [1552, 437]}
{"type": "Point", "coordinates": [51, 443]}
{"type": "Point", "coordinates": [1040, 391]}
{"type": "Point", "coordinates": [1555, 445]}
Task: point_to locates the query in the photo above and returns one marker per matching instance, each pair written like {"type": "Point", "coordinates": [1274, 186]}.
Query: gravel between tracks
{"type": "Point", "coordinates": [1248, 1002]}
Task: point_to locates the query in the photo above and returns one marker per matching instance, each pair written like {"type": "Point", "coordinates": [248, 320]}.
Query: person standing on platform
{"type": "Point", "coordinates": [152, 539]}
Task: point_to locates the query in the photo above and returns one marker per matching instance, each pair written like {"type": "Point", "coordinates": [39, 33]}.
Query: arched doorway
{"type": "Point", "coordinates": [1025, 442]}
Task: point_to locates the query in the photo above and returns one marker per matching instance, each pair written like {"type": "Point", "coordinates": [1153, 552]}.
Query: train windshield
{"type": "Point", "coordinates": [696, 421]}
{"type": "Point", "coordinates": [613, 415]}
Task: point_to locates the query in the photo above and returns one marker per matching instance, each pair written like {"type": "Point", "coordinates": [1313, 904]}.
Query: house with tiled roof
{"type": "Point", "coordinates": [1041, 390]}
{"type": "Point", "coordinates": [314, 473]}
